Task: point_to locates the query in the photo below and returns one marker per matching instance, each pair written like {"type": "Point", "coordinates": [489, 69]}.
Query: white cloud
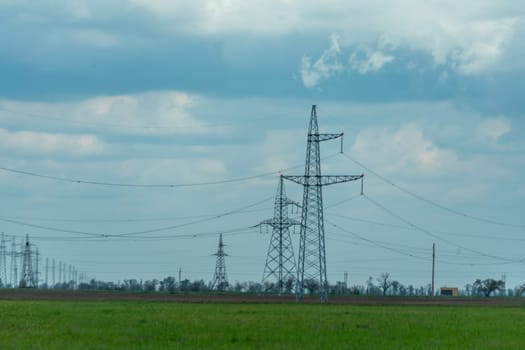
{"type": "Point", "coordinates": [405, 150]}
{"type": "Point", "coordinates": [37, 143]}
{"type": "Point", "coordinates": [326, 66]}
{"type": "Point", "coordinates": [363, 61]}
{"type": "Point", "coordinates": [464, 36]}
{"type": "Point", "coordinates": [372, 62]}
{"type": "Point", "coordinates": [476, 46]}
{"type": "Point", "coordinates": [493, 129]}
{"type": "Point", "coordinates": [166, 112]}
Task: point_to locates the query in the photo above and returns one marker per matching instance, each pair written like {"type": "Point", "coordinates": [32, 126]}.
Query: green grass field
{"type": "Point", "coordinates": [165, 325]}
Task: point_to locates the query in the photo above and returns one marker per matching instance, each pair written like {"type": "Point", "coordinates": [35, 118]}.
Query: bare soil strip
{"type": "Point", "coordinates": [30, 294]}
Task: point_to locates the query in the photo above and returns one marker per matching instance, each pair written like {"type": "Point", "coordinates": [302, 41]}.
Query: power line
{"type": "Point", "coordinates": [375, 242]}
{"type": "Point", "coordinates": [377, 204]}
{"type": "Point", "coordinates": [435, 204]}
{"type": "Point", "coordinates": [124, 220]}
{"type": "Point", "coordinates": [402, 227]}
{"type": "Point", "coordinates": [117, 184]}
{"type": "Point", "coordinates": [116, 125]}
{"type": "Point", "coordinates": [134, 233]}
{"type": "Point", "coordinates": [387, 246]}
{"type": "Point", "coordinates": [226, 232]}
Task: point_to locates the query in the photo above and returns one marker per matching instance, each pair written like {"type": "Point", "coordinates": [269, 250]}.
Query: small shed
{"type": "Point", "coordinates": [449, 292]}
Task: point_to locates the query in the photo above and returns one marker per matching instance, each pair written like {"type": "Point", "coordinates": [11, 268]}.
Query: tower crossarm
{"type": "Point", "coordinates": [323, 137]}
{"type": "Point", "coordinates": [280, 223]}
{"type": "Point", "coordinates": [322, 180]}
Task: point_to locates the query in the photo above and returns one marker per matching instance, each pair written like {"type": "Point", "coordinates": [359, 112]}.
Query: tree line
{"type": "Point", "coordinates": [382, 285]}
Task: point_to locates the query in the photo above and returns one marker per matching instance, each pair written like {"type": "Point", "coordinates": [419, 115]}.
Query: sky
{"type": "Point", "coordinates": [169, 92]}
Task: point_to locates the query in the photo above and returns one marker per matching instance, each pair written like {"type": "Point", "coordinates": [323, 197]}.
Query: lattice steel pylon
{"type": "Point", "coordinates": [28, 277]}
{"type": "Point", "coordinates": [3, 267]}
{"type": "Point", "coordinates": [220, 278]}
{"type": "Point", "coordinates": [280, 261]}
{"type": "Point", "coordinates": [311, 267]}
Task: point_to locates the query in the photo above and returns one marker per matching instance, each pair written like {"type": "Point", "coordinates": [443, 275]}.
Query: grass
{"type": "Point", "coordinates": [162, 325]}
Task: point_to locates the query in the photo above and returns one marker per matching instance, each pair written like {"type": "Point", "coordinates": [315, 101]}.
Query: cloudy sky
{"type": "Point", "coordinates": [158, 92]}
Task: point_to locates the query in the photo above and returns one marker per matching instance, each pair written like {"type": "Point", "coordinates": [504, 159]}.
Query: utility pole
{"type": "Point", "coordinates": [60, 272]}
{"type": "Point", "coordinates": [220, 279]}
{"type": "Point", "coordinates": [346, 282]}
{"type": "Point", "coordinates": [280, 260]}
{"type": "Point", "coordinates": [47, 273]}
{"type": "Point", "coordinates": [37, 258]}
{"type": "Point", "coordinates": [312, 256]}
{"type": "Point", "coordinates": [433, 265]}
{"type": "Point", "coordinates": [53, 269]}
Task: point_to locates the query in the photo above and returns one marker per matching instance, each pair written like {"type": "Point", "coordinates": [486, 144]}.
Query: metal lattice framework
{"type": "Point", "coordinates": [220, 279]}
{"type": "Point", "coordinates": [28, 279]}
{"type": "Point", "coordinates": [311, 268]}
{"type": "Point", "coordinates": [280, 262]}
{"type": "Point", "coordinates": [3, 267]}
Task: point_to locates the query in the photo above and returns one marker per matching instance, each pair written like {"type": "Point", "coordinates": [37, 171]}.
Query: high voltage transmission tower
{"type": "Point", "coordinates": [28, 279]}
{"type": "Point", "coordinates": [311, 266]}
{"type": "Point", "coordinates": [3, 267]}
{"type": "Point", "coordinates": [280, 261]}
{"type": "Point", "coordinates": [14, 264]}
{"type": "Point", "coordinates": [220, 279]}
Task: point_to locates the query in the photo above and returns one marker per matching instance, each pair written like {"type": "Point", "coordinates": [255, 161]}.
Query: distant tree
{"type": "Point", "coordinates": [395, 287]}
{"type": "Point", "coordinates": [289, 284]}
{"type": "Point", "coordinates": [253, 287]}
{"type": "Point", "coordinates": [132, 285]}
{"type": "Point", "coordinates": [369, 285]}
{"type": "Point", "coordinates": [238, 287]}
{"type": "Point", "coordinates": [312, 285]}
{"type": "Point", "coordinates": [270, 287]}
{"type": "Point", "coordinates": [402, 290]}
{"type": "Point", "coordinates": [356, 290]}
{"type": "Point", "coordinates": [429, 289]}
{"type": "Point", "coordinates": [488, 286]}
{"type": "Point", "coordinates": [468, 289]}
{"type": "Point", "coordinates": [198, 286]}
{"type": "Point", "coordinates": [184, 285]}
{"type": "Point", "coordinates": [168, 284]}
{"type": "Point", "coordinates": [151, 285]}
{"type": "Point", "coordinates": [385, 283]}
{"type": "Point", "coordinates": [519, 290]}
{"type": "Point", "coordinates": [411, 290]}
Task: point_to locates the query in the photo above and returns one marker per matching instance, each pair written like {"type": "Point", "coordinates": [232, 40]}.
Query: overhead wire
{"type": "Point", "coordinates": [128, 126]}
{"type": "Point", "coordinates": [134, 233]}
{"type": "Point", "coordinates": [123, 220]}
{"type": "Point", "coordinates": [388, 246]}
{"type": "Point", "coordinates": [117, 184]}
{"type": "Point", "coordinates": [433, 203]}
{"type": "Point", "coordinates": [360, 237]}
{"type": "Point", "coordinates": [403, 227]}
{"type": "Point", "coordinates": [429, 233]}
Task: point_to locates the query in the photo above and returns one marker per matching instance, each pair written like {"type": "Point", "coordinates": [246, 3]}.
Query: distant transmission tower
{"type": "Point", "coordinates": [220, 279]}
{"type": "Point", "coordinates": [14, 264]}
{"type": "Point", "coordinates": [3, 267]}
{"type": "Point", "coordinates": [28, 277]}
{"type": "Point", "coordinates": [280, 261]}
{"type": "Point", "coordinates": [312, 257]}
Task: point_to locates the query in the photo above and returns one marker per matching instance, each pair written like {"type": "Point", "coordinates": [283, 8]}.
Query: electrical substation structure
{"type": "Point", "coordinates": [280, 261]}
{"type": "Point", "coordinates": [311, 267]}
{"type": "Point", "coordinates": [220, 279]}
